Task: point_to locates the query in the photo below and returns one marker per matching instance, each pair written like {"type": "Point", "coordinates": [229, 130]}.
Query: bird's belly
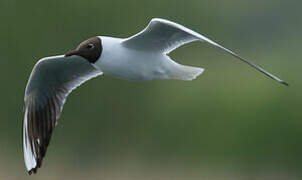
{"type": "Point", "coordinates": [134, 72]}
{"type": "Point", "coordinates": [134, 68]}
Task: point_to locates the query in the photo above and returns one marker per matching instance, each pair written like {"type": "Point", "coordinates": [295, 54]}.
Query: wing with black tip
{"type": "Point", "coordinates": [164, 36]}
{"type": "Point", "coordinates": [50, 82]}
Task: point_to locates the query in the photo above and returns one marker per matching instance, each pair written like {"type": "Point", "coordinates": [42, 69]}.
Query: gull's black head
{"type": "Point", "coordinates": [91, 49]}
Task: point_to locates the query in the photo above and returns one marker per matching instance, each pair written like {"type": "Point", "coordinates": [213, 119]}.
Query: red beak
{"type": "Point", "coordinates": [73, 52]}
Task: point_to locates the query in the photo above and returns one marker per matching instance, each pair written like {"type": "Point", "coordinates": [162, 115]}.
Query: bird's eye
{"type": "Point", "coordinates": [90, 46]}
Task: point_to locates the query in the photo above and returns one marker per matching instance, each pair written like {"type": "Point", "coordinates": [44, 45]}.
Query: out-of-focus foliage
{"type": "Point", "coordinates": [230, 123]}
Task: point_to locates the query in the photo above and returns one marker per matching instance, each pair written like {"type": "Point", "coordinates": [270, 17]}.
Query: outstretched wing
{"type": "Point", "coordinates": [50, 82]}
{"type": "Point", "coordinates": [165, 36]}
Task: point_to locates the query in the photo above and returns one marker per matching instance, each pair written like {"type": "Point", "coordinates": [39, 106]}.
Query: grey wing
{"type": "Point", "coordinates": [164, 36]}
{"type": "Point", "coordinates": [50, 82]}
{"type": "Point", "coordinates": [161, 35]}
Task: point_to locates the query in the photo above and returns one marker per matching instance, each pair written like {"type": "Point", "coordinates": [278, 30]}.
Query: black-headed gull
{"type": "Point", "coordinates": [140, 57]}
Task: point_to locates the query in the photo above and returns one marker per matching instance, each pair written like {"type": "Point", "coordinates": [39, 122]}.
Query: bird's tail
{"type": "Point", "coordinates": [186, 73]}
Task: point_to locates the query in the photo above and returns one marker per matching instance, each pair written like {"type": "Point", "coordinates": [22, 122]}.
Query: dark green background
{"type": "Point", "coordinates": [230, 123]}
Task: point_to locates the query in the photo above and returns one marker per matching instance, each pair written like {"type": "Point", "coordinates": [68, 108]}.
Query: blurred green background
{"type": "Point", "coordinates": [230, 123]}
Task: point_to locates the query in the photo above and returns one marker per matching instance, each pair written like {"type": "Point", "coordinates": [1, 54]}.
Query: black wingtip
{"type": "Point", "coordinates": [32, 171]}
{"type": "Point", "coordinates": [285, 83]}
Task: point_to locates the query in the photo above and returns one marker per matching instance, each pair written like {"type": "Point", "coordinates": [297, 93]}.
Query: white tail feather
{"type": "Point", "coordinates": [186, 73]}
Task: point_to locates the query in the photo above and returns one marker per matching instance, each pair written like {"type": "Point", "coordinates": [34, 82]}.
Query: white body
{"type": "Point", "coordinates": [127, 63]}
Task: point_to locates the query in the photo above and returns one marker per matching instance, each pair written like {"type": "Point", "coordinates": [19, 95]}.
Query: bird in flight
{"type": "Point", "coordinates": [141, 57]}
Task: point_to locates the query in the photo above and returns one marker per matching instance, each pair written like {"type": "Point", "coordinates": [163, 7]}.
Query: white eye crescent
{"type": "Point", "coordinates": [90, 46]}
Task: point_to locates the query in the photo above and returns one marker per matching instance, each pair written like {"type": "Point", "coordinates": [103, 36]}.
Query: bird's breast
{"type": "Point", "coordinates": [129, 64]}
